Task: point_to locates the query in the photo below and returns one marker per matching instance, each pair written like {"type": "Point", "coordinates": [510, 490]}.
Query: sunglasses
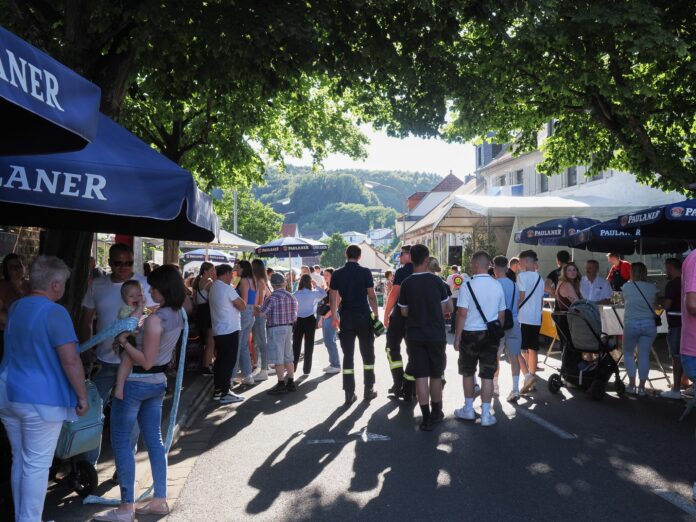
{"type": "Point", "coordinates": [119, 264]}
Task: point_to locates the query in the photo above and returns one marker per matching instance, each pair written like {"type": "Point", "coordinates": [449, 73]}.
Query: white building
{"type": "Point", "coordinates": [381, 237]}
{"type": "Point", "coordinates": [355, 238]}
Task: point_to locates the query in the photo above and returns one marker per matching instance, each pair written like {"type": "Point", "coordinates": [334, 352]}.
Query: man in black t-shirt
{"type": "Point", "coordinates": [672, 305]}
{"type": "Point", "coordinates": [423, 301]}
{"type": "Point", "coordinates": [396, 329]}
{"type": "Point", "coordinates": [562, 259]}
{"type": "Point", "coordinates": [352, 297]}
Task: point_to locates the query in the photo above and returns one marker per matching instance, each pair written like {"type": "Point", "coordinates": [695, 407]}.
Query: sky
{"type": "Point", "coordinates": [410, 154]}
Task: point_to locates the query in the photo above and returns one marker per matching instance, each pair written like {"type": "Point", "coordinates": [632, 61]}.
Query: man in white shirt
{"type": "Point", "coordinates": [531, 285]}
{"type": "Point", "coordinates": [225, 308]}
{"type": "Point", "coordinates": [472, 340]}
{"type": "Point", "coordinates": [317, 278]}
{"type": "Point", "coordinates": [593, 288]}
{"type": "Point", "coordinates": [103, 301]}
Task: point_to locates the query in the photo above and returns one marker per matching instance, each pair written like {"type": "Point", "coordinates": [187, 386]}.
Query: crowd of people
{"type": "Point", "coordinates": [255, 322]}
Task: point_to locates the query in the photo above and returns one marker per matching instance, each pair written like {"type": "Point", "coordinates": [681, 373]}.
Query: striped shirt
{"type": "Point", "coordinates": [280, 308]}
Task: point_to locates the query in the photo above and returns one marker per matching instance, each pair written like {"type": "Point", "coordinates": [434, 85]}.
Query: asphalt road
{"type": "Point", "coordinates": [303, 456]}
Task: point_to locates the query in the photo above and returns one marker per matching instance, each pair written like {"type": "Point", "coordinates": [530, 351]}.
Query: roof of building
{"type": "Point", "coordinates": [289, 230]}
{"type": "Point", "coordinates": [353, 233]}
{"type": "Point", "coordinates": [431, 217]}
{"type": "Point", "coordinates": [448, 184]}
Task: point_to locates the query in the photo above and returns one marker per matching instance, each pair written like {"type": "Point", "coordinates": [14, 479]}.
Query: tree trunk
{"type": "Point", "coordinates": [171, 252]}
{"type": "Point", "coordinates": [74, 248]}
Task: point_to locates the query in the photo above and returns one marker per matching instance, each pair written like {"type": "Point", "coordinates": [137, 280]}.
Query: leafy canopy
{"type": "Point", "coordinates": [335, 254]}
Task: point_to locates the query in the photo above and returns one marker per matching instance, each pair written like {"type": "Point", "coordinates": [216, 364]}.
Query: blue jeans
{"type": "Point", "coordinates": [243, 355]}
{"type": "Point", "coordinates": [261, 342]}
{"type": "Point", "coordinates": [104, 380]}
{"type": "Point", "coordinates": [641, 334]}
{"type": "Point", "coordinates": [329, 333]}
{"type": "Point", "coordinates": [142, 403]}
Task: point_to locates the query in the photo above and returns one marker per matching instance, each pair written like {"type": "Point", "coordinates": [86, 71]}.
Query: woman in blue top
{"type": "Point", "coordinates": [42, 383]}
{"type": "Point", "coordinates": [639, 325]}
{"type": "Point", "coordinates": [306, 324]}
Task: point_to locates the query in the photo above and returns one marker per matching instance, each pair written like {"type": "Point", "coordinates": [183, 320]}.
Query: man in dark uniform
{"type": "Point", "coordinates": [352, 297]}
{"type": "Point", "coordinates": [396, 329]}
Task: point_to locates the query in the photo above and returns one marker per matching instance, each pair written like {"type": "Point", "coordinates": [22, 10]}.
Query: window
{"type": "Point", "coordinates": [543, 183]}
{"type": "Point", "coordinates": [501, 180]}
{"type": "Point", "coordinates": [572, 176]}
{"type": "Point", "coordinates": [518, 177]}
{"type": "Point", "coordinates": [550, 128]}
{"type": "Point", "coordinates": [597, 176]}
{"type": "Point", "coordinates": [479, 155]}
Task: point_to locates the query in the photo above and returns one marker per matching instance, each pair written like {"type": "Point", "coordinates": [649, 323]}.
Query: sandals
{"type": "Point", "coordinates": [153, 508]}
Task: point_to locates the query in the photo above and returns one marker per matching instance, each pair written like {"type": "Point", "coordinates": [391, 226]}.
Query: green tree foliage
{"type": "Point", "coordinates": [617, 76]}
{"type": "Point", "coordinates": [255, 221]}
{"type": "Point", "coordinates": [335, 254]}
{"type": "Point", "coordinates": [337, 201]}
{"type": "Point", "coordinates": [347, 216]}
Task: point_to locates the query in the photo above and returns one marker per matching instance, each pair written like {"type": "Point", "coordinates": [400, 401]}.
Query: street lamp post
{"type": "Point", "coordinates": [372, 184]}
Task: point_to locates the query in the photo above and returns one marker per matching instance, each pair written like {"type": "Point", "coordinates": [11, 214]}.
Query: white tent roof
{"type": "Point", "coordinates": [468, 211]}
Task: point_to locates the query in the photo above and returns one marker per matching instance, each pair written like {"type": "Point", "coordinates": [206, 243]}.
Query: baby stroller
{"type": "Point", "coordinates": [77, 438]}
{"type": "Point", "coordinates": [586, 360]}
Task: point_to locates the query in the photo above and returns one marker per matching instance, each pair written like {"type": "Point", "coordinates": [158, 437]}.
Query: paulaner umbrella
{"type": "Point", "coordinates": [608, 236]}
{"type": "Point", "coordinates": [44, 106]}
{"type": "Point", "coordinates": [676, 220]}
{"type": "Point", "coordinates": [116, 184]}
{"type": "Point", "coordinates": [554, 232]}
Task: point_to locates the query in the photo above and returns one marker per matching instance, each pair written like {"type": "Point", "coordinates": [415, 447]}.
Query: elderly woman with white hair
{"type": "Point", "coordinates": [42, 383]}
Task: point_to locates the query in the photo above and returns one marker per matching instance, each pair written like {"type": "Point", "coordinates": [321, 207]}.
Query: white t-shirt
{"type": "Point", "coordinates": [597, 290]}
{"type": "Point", "coordinates": [530, 313]}
{"type": "Point", "coordinates": [318, 279]}
{"type": "Point", "coordinates": [104, 296]}
{"type": "Point", "coordinates": [225, 317]}
{"type": "Point", "coordinates": [490, 297]}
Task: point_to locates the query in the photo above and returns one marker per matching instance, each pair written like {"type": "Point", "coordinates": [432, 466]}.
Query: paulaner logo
{"type": "Point", "coordinates": [635, 219]}
{"type": "Point", "coordinates": [38, 83]}
{"type": "Point", "coordinates": [613, 233]}
{"type": "Point", "coordinates": [546, 233]}
{"type": "Point", "coordinates": [88, 186]}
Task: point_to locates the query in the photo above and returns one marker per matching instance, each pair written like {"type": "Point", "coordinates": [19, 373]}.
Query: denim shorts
{"type": "Point", "coordinates": [689, 366]}
{"type": "Point", "coordinates": [674, 340]}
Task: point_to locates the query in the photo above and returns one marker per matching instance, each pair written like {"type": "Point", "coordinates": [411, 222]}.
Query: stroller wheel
{"type": "Point", "coordinates": [555, 383]}
{"type": "Point", "coordinates": [83, 478]}
{"type": "Point", "coordinates": [597, 390]}
{"type": "Point", "coordinates": [619, 387]}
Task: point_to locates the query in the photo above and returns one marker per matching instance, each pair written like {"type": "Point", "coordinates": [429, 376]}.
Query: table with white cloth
{"type": "Point", "coordinates": [613, 320]}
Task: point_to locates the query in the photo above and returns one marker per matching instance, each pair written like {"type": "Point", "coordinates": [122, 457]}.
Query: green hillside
{"type": "Point", "coordinates": [337, 200]}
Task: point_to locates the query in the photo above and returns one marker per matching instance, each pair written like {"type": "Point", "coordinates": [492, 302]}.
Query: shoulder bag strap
{"type": "Point", "coordinates": [478, 306]}
{"type": "Point", "coordinates": [512, 301]}
{"type": "Point", "coordinates": [650, 307]}
{"type": "Point", "coordinates": [528, 297]}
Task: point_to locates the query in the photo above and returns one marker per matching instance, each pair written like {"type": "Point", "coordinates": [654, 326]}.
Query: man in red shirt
{"type": "Point", "coordinates": [619, 272]}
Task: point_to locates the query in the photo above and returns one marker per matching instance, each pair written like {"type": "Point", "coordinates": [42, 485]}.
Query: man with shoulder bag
{"type": "Point", "coordinates": [479, 328]}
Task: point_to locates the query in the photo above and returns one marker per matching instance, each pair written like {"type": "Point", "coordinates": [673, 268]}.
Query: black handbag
{"type": "Point", "coordinates": [509, 321]}
{"type": "Point", "coordinates": [495, 329]}
{"type": "Point", "coordinates": [657, 318]}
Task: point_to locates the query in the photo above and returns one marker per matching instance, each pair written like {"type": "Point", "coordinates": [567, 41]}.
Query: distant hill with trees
{"type": "Point", "coordinates": [337, 200]}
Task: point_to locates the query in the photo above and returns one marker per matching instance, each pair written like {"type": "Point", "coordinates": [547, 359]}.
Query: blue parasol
{"type": "Point", "coordinates": [554, 232]}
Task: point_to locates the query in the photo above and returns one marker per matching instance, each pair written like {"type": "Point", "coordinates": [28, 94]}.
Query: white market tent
{"type": "Point", "coordinates": [506, 214]}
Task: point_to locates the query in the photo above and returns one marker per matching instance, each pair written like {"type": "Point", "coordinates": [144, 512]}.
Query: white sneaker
{"type": "Point", "coordinates": [488, 419]}
{"type": "Point", "coordinates": [332, 369]}
{"type": "Point", "coordinates": [249, 380]}
{"type": "Point", "coordinates": [671, 394]}
{"type": "Point", "coordinates": [630, 389]}
{"type": "Point", "coordinates": [642, 392]}
{"type": "Point", "coordinates": [262, 375]}
{"type": "Point", "coordinates": [231, 398]}
{"type": "Point", "coordinates": [465, 413]}
{"type": "Point", "coordinates": [514, 396]}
